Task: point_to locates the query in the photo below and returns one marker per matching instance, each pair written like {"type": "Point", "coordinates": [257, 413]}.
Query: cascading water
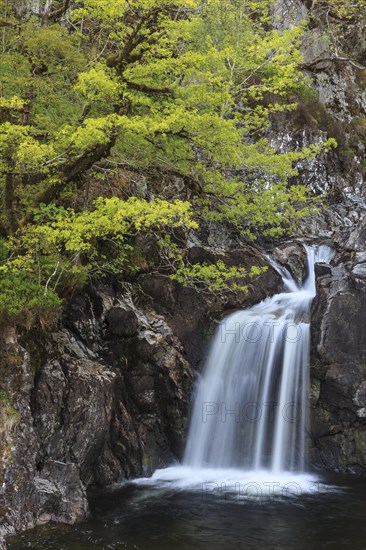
{"type": "Point", "coordinates": [250, 414]}
{"type": "Point", "coordinates": [251, 406]}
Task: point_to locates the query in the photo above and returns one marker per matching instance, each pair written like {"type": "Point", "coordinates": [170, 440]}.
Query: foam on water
{"type": "Point", "coordinates": [235, 484]}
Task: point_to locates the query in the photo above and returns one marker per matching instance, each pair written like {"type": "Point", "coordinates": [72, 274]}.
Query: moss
{"type": "Point", "coordinates": [186, 382]}
{"type": "Point", "coordinates": [7, 405]}
{"type": "Point", "coordinates": [147, 462]}
{"type": "Point", "coordinates": [9, 418]}
{"type": "Point", "coordinates": [11, 358]}
{"type": "Point", "coordinates": [359, 121]}
{"type": "Point", "coordinates": [360, 446]}
{"type": "Point", "coordinates": [310, 111]}
{"type": "Point", "coordinates": [3, 396]}
{"type": "Point", "coordinates": [361, 78]}
{"type": "Point", "coordinates": [208, 332]}
{"type": "Point", "coordinates": [11, 374]}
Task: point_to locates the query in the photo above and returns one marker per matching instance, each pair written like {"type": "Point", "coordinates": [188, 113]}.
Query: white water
{"type": "Point", "coordinates": [250, 416]}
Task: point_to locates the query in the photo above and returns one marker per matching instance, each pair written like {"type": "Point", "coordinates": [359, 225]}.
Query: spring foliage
{"type": "Point", "coordinates": [183, 88]}
{"type": "Point", "coordinates": [64, 247]}
{"type": "Point", "coordinates": [342, 9]}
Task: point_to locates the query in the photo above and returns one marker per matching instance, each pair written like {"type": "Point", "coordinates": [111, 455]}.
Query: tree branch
{"type": "Point", "coordinates": [148, 89]}
{"type": "Point", "coordinates": [333, 58]}
{"type": "Point", "coordinates": [59, 12]}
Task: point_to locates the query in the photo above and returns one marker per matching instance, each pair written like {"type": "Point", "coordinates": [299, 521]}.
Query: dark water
{"type": "Point", "coordinates": [149, 518]}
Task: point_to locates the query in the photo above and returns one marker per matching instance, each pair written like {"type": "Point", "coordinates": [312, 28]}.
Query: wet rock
{"type": "Point", "coordinates": [64, 498]}
{"type": "Point", "coordinates": [343, 451]}
{"type": "Point", "coordinates": [338, 369]}
{"type": "Point", "coordinates": [360, 396]}
{"type": "Point", "coordinates": [316, 51]}
{"type": "Point", "coordinates": [122, 322]}
{"type": "Point", "coordinates": [357, 239]}
{"type": "Point", "coordinates": [293, 257]}
{"type": "Point", "coordinates": [288, 13]}
{"type": "Point", "coordinates": [90, 406]}
{"type": "Point", "coordinates": [360, 270]}
{"type": "Point", "coordinates": [344, 337]}
{"type": "Point", "coordinates": [323, 270]}
{"type": "Point", "coordinates": [340, 385]}
{"type": "Point", "coordinates": [193, 313]}
{"type": "Point", "coordinates": [142, 384]}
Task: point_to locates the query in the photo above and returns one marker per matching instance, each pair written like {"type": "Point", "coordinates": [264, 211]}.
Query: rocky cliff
{"type": "Point", "coordinates": [106, 393]}
{"type": "Point", "coordinates": [336, 66]}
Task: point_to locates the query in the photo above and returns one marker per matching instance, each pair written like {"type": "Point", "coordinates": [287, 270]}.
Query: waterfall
{"type": "Point", "coordinates": [251, 405]}
{"type": "Point", "coordinates": [248, 432]}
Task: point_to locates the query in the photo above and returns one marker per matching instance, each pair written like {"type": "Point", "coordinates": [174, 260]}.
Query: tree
{"type": "Point", "coordinates": [340, 9]}
{"type": "Point", "coordinates": [336, 16]}
{"type": "Point", "coordinates": [180, 87]}
{"type": "Point", "coordinates": [64, 247]}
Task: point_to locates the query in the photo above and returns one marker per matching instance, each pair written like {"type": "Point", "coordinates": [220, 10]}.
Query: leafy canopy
{"type": "Point", "coordinates": [169, 88]}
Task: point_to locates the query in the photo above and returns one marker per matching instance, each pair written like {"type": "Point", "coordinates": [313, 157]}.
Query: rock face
{"type": "Point", "coordinates": [338, 359]}
{"type": "Point", "coordinates": [26, 8]}
{"type": "Point", "coordinates": [339, 370]}
{"type": "Point", "coordinates": [293, 257]}
{"type": "Point", "coordinates": [105, 395]}
{"type": "Point", "coordinates": [94, 404]}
